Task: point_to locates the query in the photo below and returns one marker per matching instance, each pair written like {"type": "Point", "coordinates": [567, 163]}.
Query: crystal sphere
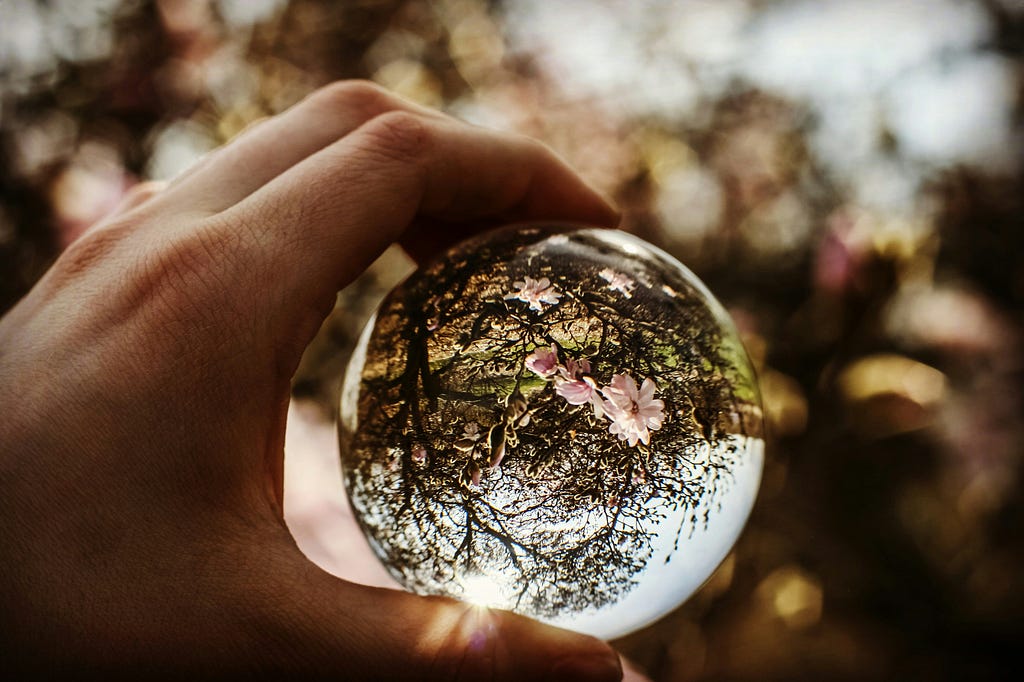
{"type": "Point", "coordinates": [556, 420]}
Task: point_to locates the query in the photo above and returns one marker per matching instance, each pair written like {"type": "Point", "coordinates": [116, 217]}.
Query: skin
{"type": "Point", "coordinates": [144, 383]}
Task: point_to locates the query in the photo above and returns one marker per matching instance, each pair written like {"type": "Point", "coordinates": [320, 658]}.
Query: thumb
{"type": "Point", "coordinates": [327, 627]}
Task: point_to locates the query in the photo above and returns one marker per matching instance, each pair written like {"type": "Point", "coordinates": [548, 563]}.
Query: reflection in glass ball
{"type": "Point", "coordinates": [553, 420]}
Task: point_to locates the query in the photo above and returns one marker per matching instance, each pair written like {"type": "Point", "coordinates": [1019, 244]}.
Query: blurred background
{"type": "Point", "coordinates": [846, 176]}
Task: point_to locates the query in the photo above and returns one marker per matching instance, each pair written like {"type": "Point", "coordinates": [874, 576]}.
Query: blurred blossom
{"type": "Point", "coordinates": [181, 80]}
{"type": "Point", "coordinates": [825, 50]}
{"type": "Point", "coordinates": [854, 235]}
{"type": "Point", "coordinates": [283, 85]}
{"type": "Point", "coordinates": [950, 319]}
{"type": "Point", "coordinates": [778, 227]}
{"type": "Point", "coordinates": [177, 147]}
{"type": "Point", "coordinates": [604, 50]}
{"type": "Point", "coordinates": [411, 79]}
{"type": "Point", "coordinates": [690, 203]}
{"type": "Point", "coordinates": [891, 393]}
{"type": "Point", "coordinates": [186, 20]}
{"type": "Point", "coordinates": [959, 111]}
{"type": "Point", "coordinates": [477, 46]}
{"type": "Point", "coordinates": [239, 14]}
{"type": "Point", "coordinates": [785, 405]}
{"type": "Point", "coordinates": [230, 80]}
{"type": "Point", "coordinates": [754, 159]}
{"type": "Point", "coordinates": [882, 182]}
{"type": "Point", "coordinates": [793, 595]}
{"type": "Point", "coordinates": [689, 200]}
{"type": "Point", "coordinates": [46, 141]}
{"type": "Point", "coordinates": [928, 89]}
{"type": "Point", "coordinates": [393, 46]}
{"type": "Point", "coordinates": [87, 189]}
{"type": "Point", "coordinates": [664, 154]}
{"type": "Point", "coordinates": [37, 35]}
{"type": "Point", "coordinates": [709, 33]}
{"type": "Point", "coordinates": [841, 252]}
{"type": "Point", "coordinates": [25, 50]}
{"type": "Point", "coordinates": [887, 373]}
{"type": "Point", "coordinates": [588, 139]}
{"type": "Point", "coordinates": [86, 30]}
{"type": "Point", "coordinates": [659, 58]}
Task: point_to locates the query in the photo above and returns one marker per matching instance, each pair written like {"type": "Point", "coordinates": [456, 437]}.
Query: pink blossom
{"type": "Point", "coordinates": [543, 362]}
{"type": "Point", "coordinates": [573, 370]}
{"type": "Point", "coordinates": [576, 388]}
{"type": "Point", "coordinates": [618, 282]}
{"type": "Point", "coordinates": [577, 391]}
{"type": "Point", "coordinates": [634, 413]}
{"type": "Point", "coordinates": [535, 292]}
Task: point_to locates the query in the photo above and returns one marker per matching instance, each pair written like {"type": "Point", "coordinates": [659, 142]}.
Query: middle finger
{"type": "Point", "coordinates": [271, 147]}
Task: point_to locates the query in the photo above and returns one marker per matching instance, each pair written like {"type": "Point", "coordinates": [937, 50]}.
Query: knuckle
{"type": "Point", "coordinates": [183, 272]}
{"type": "Point", "coordinates": [88, 251]}
{"type": "Point", "coordinates": [399, 136]}
{"type": "Point", "coordinates": [365, 97]}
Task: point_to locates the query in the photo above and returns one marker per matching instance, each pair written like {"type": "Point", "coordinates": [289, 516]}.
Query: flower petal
{"type": "Point", "coordinates": [575, 392]}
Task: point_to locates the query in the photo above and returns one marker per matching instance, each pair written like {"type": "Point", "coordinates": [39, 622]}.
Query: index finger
{"type": "Point", "coordinates": [404, 176]}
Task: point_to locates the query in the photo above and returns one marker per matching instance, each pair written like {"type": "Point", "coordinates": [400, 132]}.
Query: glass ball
{"type": "Point", "coordinates": [555, 420]}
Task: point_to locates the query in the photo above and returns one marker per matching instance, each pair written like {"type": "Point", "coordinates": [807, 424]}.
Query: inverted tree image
{"type": "Point", "coordinates": [532, 408]}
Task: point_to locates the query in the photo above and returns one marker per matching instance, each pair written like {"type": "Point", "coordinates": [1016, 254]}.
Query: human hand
{"type": "Point", "coordinates": [145, 382]}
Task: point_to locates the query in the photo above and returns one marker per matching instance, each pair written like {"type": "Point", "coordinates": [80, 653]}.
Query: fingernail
{"type": "Point", "coordinates": [597, 668]}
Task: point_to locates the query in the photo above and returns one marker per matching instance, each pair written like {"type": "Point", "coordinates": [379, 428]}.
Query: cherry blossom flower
{"type": "Point", "coordinates": [572, 370]}
{"type": "Point", "coordinates": [572, 385]}
{"type": "Point", "coordinates": [618, 282]}
{"type": "Point", "coordinates": [543, 362]}
{"type": "Point", "coordinates": [577, 391]}
{"type": "Point", "coordinates": [535, 292]}
{"type": "Point", "coordinates": [634, 413]}
{"type": "Point", "coordinates": [576, 388]}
